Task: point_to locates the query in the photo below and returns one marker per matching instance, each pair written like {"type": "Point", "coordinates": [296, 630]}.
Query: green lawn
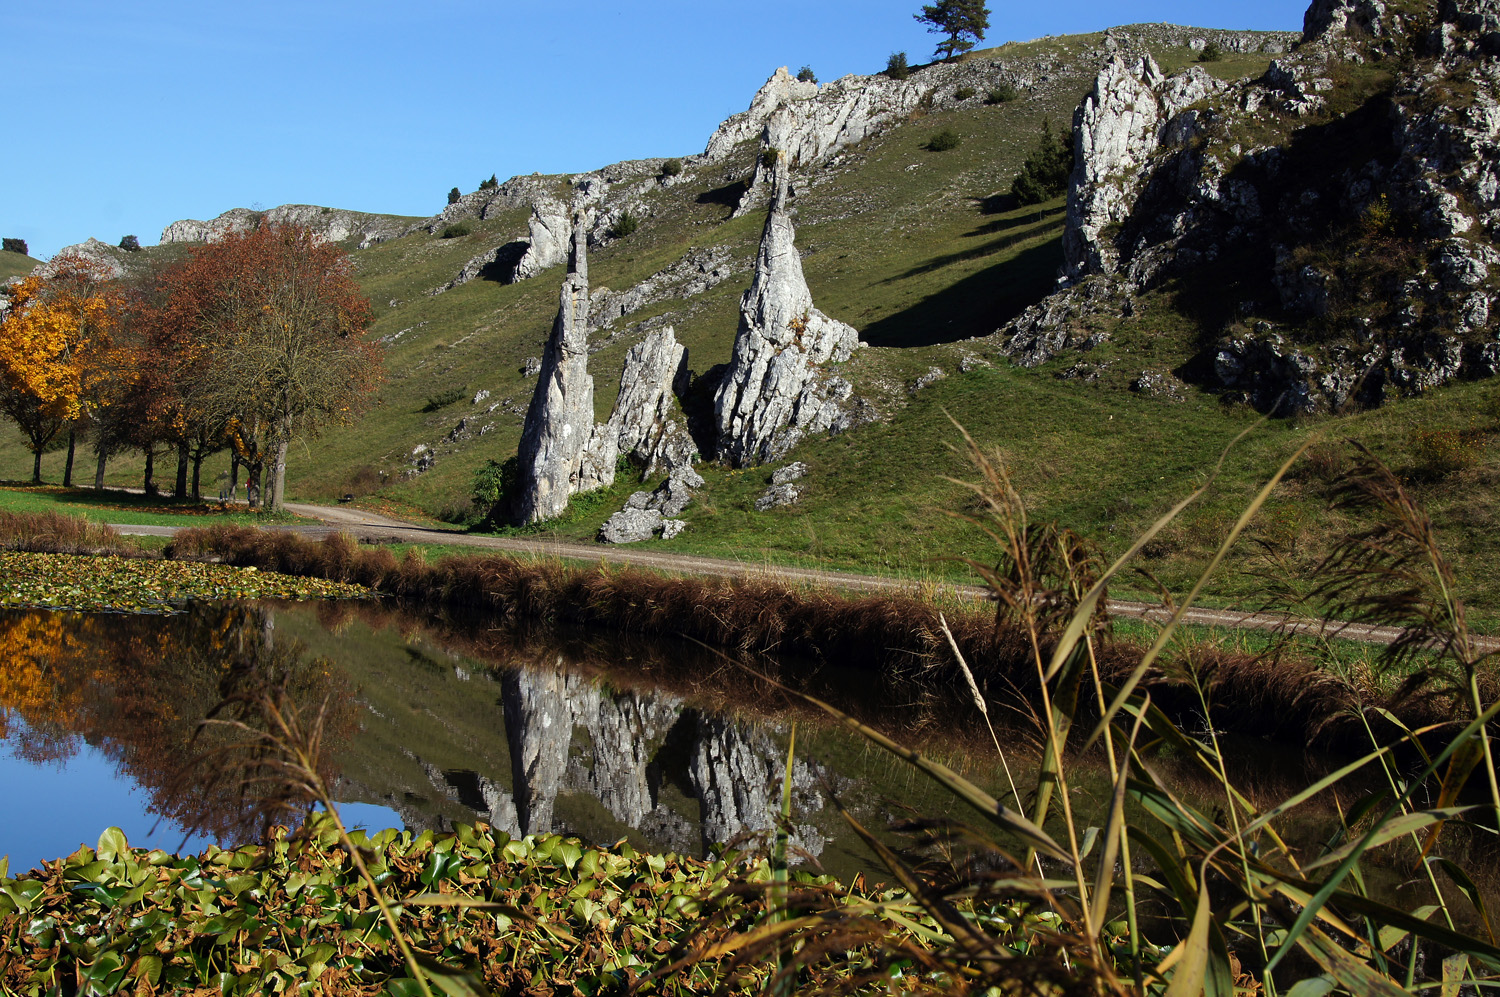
{"type": "Point", "coordinates": [127, 508]}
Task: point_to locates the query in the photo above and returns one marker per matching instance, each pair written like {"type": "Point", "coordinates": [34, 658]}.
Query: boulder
{"type": "Point", "coordinates": [794, 471]}
{"type": "Point", "coordinates": [773, 390]}
{"type": "Point", "coordinates": [631, 525]}
{"type": "Point", "coordinates": [777, 495]}
{"type": "Point", "coordinates": [328, 224]}
{"type": "Point", "coordinates": [104, 257]}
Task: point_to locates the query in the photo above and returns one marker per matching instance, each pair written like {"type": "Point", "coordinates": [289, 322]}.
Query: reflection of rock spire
{"type": "Point", "coordinates": [539, 726]}
{"type": "Point", "coordinates": [735, 771]}
{"type": "Point", "coordinates": [773, 392]}
{"type": "Point", "coordinates": [560, 420]}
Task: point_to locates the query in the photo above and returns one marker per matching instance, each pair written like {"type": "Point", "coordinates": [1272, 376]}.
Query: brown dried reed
{"type": "Point", "coordinates": [55, 533]}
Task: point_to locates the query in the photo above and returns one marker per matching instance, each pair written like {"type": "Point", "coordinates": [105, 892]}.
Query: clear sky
{"type": "Point", "coordinates": [123, 117]}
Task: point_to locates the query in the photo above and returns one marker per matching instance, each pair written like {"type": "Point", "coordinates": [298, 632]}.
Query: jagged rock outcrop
{"type": "Point", "coordinates": [774, 391]}
{"type": "Point", "coordinates": [329, 224]}
{"type": "Point", "coordinates": [552, 229]}
{"type": "Point", "coordinates": [1378, 226]}
{"type": "Point", "coordinates": [109, 259]}
{"type": "Point", "coordinates": [1132, 110]}
{"type": "Point", "coordinates": [561, 452]}
{"type": "Point", "coordinates": [647, 420]}
{"type": "Point", "coordinates": [809, 124]}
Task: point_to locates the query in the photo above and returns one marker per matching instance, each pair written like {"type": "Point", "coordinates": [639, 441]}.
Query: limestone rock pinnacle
{"type": "Point", "coordinates": [773, 392]}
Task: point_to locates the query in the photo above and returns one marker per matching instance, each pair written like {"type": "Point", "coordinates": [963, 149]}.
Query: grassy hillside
{"type": "Point", "coordinates": [15, 265]}
{"type": "Point", "coordinates": [926, 255]}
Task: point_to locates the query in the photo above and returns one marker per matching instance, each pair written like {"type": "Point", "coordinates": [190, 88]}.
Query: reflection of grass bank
{"type": "Point", "coordinates": [888, 637]}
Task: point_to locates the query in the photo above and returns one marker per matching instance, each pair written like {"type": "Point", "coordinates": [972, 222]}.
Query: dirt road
{"type": "Point", "coordinates": [366, 525]}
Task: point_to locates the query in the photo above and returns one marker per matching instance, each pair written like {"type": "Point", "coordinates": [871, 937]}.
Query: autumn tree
{"type": "Point", "coordinates": [270, 323]}
{"type": "Point", "coordinates": [59, 362]}
{"type": "Point", "coordinates": [963, 21]}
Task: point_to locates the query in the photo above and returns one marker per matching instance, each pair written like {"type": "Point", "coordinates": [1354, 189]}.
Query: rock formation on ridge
{"type": "Point", "coordinates": [774, 391]}
{"type": "Point", "coordinates": [1364, 210]}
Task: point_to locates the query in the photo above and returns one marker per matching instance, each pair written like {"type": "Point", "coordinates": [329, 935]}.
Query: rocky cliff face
{"type": "Point", "coordinates": [647, 421]}
{"type": "Point", "coordinates": [560, 452]}
{"type": "Point", "coordinates": [775, 391]}
{"type": "Point", "coordinates": [1349, 200]}
{"type": "Point", "coordinates": [331, 224]}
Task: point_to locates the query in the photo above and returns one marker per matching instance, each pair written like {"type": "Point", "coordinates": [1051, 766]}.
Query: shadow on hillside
{"type": "Point", "coordinates": [1040, 227]}
{"type": "Point", "coordinates": [975, 306]}
{"type": "Point", "coordinates": [1035, 215]}
{"type": "Point", "coordinates": [728, 196]}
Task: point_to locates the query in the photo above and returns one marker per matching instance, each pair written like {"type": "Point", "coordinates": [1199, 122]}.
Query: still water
{"type": "Point", "coordinates": [434, 722]}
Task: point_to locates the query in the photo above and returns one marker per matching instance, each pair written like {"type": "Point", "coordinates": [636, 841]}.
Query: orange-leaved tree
{"type": "Point", "coordinates": [59, 362]}
{"type": "Point", "coordinates": [271, 321]}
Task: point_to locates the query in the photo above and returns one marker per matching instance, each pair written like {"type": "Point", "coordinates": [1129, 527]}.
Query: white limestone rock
{"type": "Point", "coordinates": [1116, 130]}
{"type": "Point", "coordinates": [551, 228]}
{"type": "Point", "coordinates": [774, 391]}
{"type": "Point", "coordinates": [561, 452]}
{"type": "Point", "coordinates": [107, 258]}
{"type": "Point", "coordinates": [328, 224]}
{"type": "Point", "coordinates": [647, 422]}
{"type": "Point", "coordinates": [631, 525]}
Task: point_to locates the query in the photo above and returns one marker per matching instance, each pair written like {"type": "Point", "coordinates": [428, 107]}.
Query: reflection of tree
{"type": "Point", "coordinates": [138, 687]}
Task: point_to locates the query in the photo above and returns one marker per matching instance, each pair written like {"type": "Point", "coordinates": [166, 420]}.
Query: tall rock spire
{"type": "Point", "coordinates": [560, 421]}
{"type": "Point", "coordinates": [773, 392]}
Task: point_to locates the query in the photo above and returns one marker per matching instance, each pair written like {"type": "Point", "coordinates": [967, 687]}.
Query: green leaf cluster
{"type": "Point", "coordinates": [540, 914]}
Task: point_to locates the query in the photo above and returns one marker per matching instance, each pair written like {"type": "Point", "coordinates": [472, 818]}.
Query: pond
{"type": "Point", "coordinates": [439, 721]}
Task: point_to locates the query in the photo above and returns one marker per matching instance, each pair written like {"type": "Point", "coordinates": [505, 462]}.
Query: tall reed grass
{"type": "Point", "coordinates": [1167, 899]}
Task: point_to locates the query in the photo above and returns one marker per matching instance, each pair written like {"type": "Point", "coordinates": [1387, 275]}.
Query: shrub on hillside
{"type": "Point", "coordinates": [495, 485]}
{"type": "Point", "coordinates": [1044, 174]}
{"type": "Point", "coordinates": [489, 184]}
{"type": "Point", "coordinates": [624, 225]}
{"type": "Point", "coordinates": [453, 196]}
{"type": "Point", "coordinates": [963, 93]}
{"type": "Point", "coordinates": [1002, 93]}
{"type": "Point", "coordinates": [806, 75]}
{"type": "Point", "coordinates": [944, 140]}
{"type": "Point", "coordinates": [445, 398]}
{"type": "Point", "coordinates": [768, 158]}
{"type": "Point", "coordinates": [130, 244]}
{"type": "Point", "coordinates": [456, 231]}
{"type": "Point", "coordinates": [896, 67]}
{"type": "Point", "coordinates": [15, 246]}
{"type": "Point", "coordinates": [1437, 453]}
{"type": "Point", "coordinates": [1211, 53]}
{"type": "Point", "coordinates": [671, 168]}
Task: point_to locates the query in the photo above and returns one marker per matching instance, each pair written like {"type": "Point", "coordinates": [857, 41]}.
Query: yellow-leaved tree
{"type": "Point", "coordinates": [58, 359]}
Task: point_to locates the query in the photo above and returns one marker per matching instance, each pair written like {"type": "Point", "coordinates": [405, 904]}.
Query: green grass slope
{"type": "Point", "coordinates": [15, 265]}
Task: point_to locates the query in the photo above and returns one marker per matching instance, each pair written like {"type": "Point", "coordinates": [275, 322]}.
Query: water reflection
{"type": "Point", "coordinates": [442, 721]}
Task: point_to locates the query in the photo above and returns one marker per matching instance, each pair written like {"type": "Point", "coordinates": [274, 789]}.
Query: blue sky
{"type": "Point", "coordinates": [123, 117]}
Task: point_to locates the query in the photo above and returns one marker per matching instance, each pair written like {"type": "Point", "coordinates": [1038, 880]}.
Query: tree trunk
{"type": "Point", "coordinates": [234, 475]}
{"type": "Point", "coordinates": [68, 467]}
{"type": "Point", "coordinates": [99, 472]}
{"type": "Point", "coordinates": [149, 485]}
{"type": "Point", "coordinates": [36, 466]}
{"type": "Point", "coordinates": [252, 484]}
{"type": "Point", "coordinates": [179, 487]}
{"type": "Point", "coordinates": [278, 475]}
{"type": "Point", "coordinates": [197, 476]}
